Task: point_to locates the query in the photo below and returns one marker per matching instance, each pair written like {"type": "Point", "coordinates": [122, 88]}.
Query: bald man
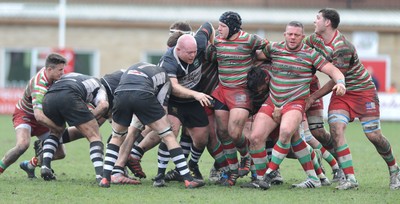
{"type": "Point", "coordinates": [183, 64]}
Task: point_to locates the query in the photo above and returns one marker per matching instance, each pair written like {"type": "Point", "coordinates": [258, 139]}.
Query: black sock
{"type": "Point", "coordinates": [180, 163]}
{"type": "Point", "coordinates": [186, 144]}
{"type": "Point", "coordinates": [50, 146]}
{"type": "Point", "coordinates": [109, 160]}
{"type": "Point", "coordinates": [163, 158]}
{"type": "Point", "coordinates": [65, 136]}
{"type": "Point", "coordinates": [196, 154]}
{"type": "Point", "coordinates": [96, 155]}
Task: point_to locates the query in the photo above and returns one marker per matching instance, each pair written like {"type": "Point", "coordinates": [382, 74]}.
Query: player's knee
{"type": "Point", "coordinates": [338, 118]}
{"type": "Point", "coordinates": [119, 134]}
{"type": "Point", "coordinates": [319, 133]}
{"type": "Point", "coordinates": [255, 139]}
{"type": "Point", "coordinates": [137, 124]}
{"type": "Point", "coordinates": [371, 126]}
{"type": "Point", "coordinates": [21, 148]}
{"type": "Point", "coordinates": [285, 133]}
{"type": "Point", "coordinates": [315, 126]}
{"type": "Point", "coordinates": [223, 133]}
{"type": "Point", "coordinates": [200, 142]}
{"type": "Point", "coordinates": [315, 122]}
{"type": "Point", "coordinates": [23, 144]}
{"type": "Point", "coordinates": [307, 136]}
{"type": "Point", "coordinates": [165, 132]}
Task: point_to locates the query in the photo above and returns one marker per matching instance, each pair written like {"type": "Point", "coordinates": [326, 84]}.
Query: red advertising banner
{"type": "Point", "coordinates": [69, 54]}
{"type": "Point", "coordinates": [379, 68]}
{"type": "Point", "coordinates": [9, 98]}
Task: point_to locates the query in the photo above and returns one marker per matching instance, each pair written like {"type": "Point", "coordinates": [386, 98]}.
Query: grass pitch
{"type": "Point", "coordinates": [76, 184]}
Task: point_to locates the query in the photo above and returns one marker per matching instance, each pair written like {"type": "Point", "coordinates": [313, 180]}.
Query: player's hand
{"type": "Point", "coordinates": [309, 101]}
{"type": "Point", "coordinates": [204, 99]}
{"type": "Point", "coordinates": [340, 89]}
{"type": "Point", "coordinates": [277, 115]}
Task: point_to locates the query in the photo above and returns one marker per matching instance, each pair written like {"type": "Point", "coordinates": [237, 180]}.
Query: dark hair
{"type": "Point", "coordinates": [296, 24]}
{"type": "Point", "coordinates": [180, 26]}
{"type": "Point", "coordinates": [332, 15]}
{"type": "Point", "coordinates": [255, 78]}
{"type": "Point", "coordinates": [233, 21]}
{"type": "Point", "coordinates": [173, 39]}
{"type": "Point", "coordinates": [55, 59]}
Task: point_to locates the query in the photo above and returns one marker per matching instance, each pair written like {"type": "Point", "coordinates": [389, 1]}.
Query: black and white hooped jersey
{"type": "Point", "coordinates": [188, 75]}
{"type": "Point", "coordinates": [89, 88]}
{"type": "Point", "coordinates": [148, 78]}
{"type": "Point", "coordinates": [110, 82]}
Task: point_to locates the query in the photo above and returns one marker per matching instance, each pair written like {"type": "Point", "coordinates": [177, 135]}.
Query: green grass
{"type": "Point", "coordinates": [75, 178]}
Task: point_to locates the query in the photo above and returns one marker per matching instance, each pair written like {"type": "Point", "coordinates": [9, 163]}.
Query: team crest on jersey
{"type": "Point", "coordinates": [370, 105]}
{"type": "Point", "coordinates": [299, 59]}
{"type": "Point", "coordinates": [196, 62]}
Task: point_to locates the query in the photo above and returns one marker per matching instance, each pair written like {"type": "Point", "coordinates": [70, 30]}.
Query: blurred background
{"type": "Point", "coordinates": [100, 36]}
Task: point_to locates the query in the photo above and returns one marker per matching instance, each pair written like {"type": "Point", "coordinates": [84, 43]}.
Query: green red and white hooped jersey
{"type": "Point", "coordinates": [342, 53]}
{"type": "Point", "coordinates": [235, 57]}
{"type": "Point", "coordinates": [34, 92]}
{"type": "Point", "coordinates": [291, 71]}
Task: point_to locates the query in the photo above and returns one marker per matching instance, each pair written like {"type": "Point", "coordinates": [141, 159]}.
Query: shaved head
{"type": "Point", "coordinates": [186, 48]}
{"type": "Point", "coordinates": [186, 41]}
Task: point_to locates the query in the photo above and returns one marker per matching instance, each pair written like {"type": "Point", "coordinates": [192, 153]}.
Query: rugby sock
{"type": "Point", "coordinates": [65, 136]}
{"type": "Point", "coordinates": [109, 138]}
{"type": "Point", "coordinates": [328, 157]}
{"type": "Point", "coordinates": [259, 158]}
{"type": "Point", "coordinates": [314, 159]}
{"type": "Point", "coordinates": [269, 146]}
{"type": "Point", "coordinates": [110, 159]}
{"type": "Point", "coordinates": [299, 148]}
{"type": "Point", "coordinates": [186, 143]}
{"type": "Point", "coordinates": [231, 155]}
{"type": "Point", "coordinates": [278, 154]}
{"type": "Point", "coordinates": [50, 146]}
{"type": "Point", "coordinates": [253, 169]}
{"type": "Point", "coordinates": [32, 163]}
{"type": "Point", "coordinates": [242, 146]}
{"type": "Point", "coordinates": [139, 138]}
{"type": "Point", "coordinates": [137, 152]}
{"type": "Point", "coordinates": [96, 152]}
{"type": "Point", "coordinates": [219, 156]}
{"type": "Point", "coordinates": [216, 165]}
{"type": "Point", "coordinates": [163, 158]}
{"type": "Point", "coordinates": [329, 147]}
{"type": "Point", "coordinates": [390, 160]}
{"type": "Point", "coordinates": [180, 163]}
{"type": "Point", "coordinates": [195, 154]}
{"type": "Point", "coordinates": [3, 167]}
{"type": "Point", "coordinates": [345, 161]}
{"type": "Point", "coordinates": [118, 170]}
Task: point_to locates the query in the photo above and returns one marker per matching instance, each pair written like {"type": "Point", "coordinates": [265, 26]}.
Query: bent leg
{"type": "Point", "coordinates": [23, 136]}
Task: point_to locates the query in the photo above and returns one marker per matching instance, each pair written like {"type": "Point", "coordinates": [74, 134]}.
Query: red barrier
{"type": "Point", "coordinates": [9, 98]}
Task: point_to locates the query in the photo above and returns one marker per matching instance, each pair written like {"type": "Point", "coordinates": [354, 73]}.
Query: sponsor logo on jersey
{"type": "Point", "coordinates": [370, 105]}
{"type": "Point", "coordinates": [297, 106]}
{"type": "Point", "coordinates": [136, 72]}
{"type": "Point", "coordinates": [240, 98]}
